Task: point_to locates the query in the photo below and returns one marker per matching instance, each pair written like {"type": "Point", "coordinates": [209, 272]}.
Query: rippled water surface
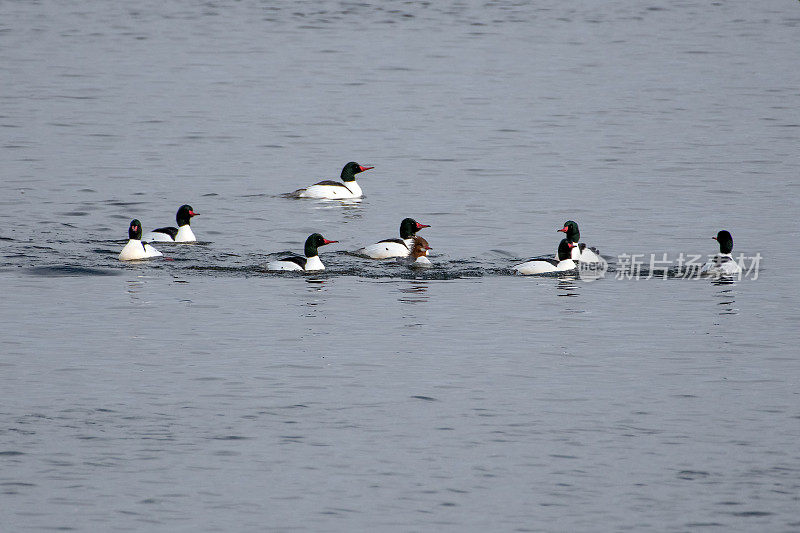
{"type": "Point", "coordinates": [199, 392]}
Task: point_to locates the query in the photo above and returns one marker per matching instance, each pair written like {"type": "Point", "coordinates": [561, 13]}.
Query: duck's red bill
{"type": "Point", "coordinates": [362, 169]}
{"type": "Point", "coordinates": [326, 241]}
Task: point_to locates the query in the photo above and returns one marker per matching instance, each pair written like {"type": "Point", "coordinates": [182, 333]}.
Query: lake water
{"type": "Point", "coordinates": [200, 393]}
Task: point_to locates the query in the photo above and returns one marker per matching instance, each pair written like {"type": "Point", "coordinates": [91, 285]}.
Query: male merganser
{"type": "Point", "coordinates": [335, 190]}
{"type": "Point", "coordinates": [395, 247]}
{"type": "Point", "coordinates": [136, 249]}
{"type": "Point", "coordinates": [567, 252]}
{"type": "Point", "coordinates": [309, 262]}
{"type": "Point", "coordinates": [585, 254]}
{"type": "Point", "coordinates": [419, 252]}
{"type": "Point", "coordinates": [183, 233]}
{"type": "Point", "coordinates": [722, 264]}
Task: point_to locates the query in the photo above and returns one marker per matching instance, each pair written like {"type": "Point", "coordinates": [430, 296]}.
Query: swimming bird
{"type": "Point", "coordinates": [722, 264]}
{"type": "Point", "coordinates": [335, 190]}
{"type": "Point", "coordinates": [136, 249]}
{"type": "Point", "coordinates": [564, 261]}
{"type": "Point", "coordinates": [308, 263]}
{"type": "Point", "coordinates": [183, 233]}
{"type": "Point", "coordinates": [585, 254]}
{"type": "Point", "coordinates": [418, 258]}
{"type": "Point", "coordinates": [395, 247]}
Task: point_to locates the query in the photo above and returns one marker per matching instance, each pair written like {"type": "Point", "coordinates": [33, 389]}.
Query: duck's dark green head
{"type": "Point", "coordinates": [409, 228]}
{"type": "Point", "coordinates": [135, 230]}
{"type": "Point", "coordinates": [571, 229]}
{"type": "Point", "coordinates": [565, 249]}
{"type": "Point", "coordinates": [185, 213]}
{"type": "Point", "coordinates": [725, 242]}
{"type": "Point", "coordinates": [314, 241]}
{"type": "Point", "coordinates": [351, 169]}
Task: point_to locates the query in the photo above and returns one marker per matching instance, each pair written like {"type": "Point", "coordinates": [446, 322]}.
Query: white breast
{"type": "Point", "coordinates": [313, 263]}
{"type": "Point", "coordinates": [185, 234]}
{"type": "Point", "coordinates": [135, 250]}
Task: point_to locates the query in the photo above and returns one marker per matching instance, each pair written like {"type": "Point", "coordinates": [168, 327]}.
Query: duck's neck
{"type": "Point", "coordinates": [185, 233]}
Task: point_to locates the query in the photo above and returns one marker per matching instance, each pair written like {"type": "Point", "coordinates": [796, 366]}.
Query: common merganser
{"type": "Point", "coordinates": [567, 252]}
{"type": "Point", "coordinates": [335, 190]}
{"type": "Point", "coordinates": [136, 249]}
{"type": "Point", "coordinates": [395, 247]}
{"type": "Point", "coordinates": [183, 233]}
{"type": "Point", "coordinates": [585, 254]}
{"type": "Point", "coordinates": [308, 263]}
{"type": "Point", "coordinates": [419, 252]}
{"type": "Point", "coordinates": [722, 264]}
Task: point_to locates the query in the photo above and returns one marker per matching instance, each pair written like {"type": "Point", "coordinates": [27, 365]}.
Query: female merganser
{"type": "Point", "coordinates": [309, 262]}
{"type": "Point", "coordinates": [585, 254]}
{"type": "Point", "coordinates": [722, 264]}
{"type": "Point", "coordinates": [419, 252]}
{"type": "Point", "coordinates": [335, 190]}
{"type": "Point", "coordinates": [136, 249]}
{"type": "Point", "coordinates": [183, 233]}
{"type": "Point", "coordinates": [395, 247]}
{"type": "Point", "coordinates": [567, 252]}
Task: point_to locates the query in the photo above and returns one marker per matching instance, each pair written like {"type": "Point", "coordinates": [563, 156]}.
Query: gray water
{"type": "Point", "coordinates": [200, 393]}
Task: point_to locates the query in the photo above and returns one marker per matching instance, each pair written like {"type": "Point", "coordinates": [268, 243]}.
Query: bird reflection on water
{"type": "Point", "coordinates": [414, 292]}
{"type": "Point", "coordinates": [567, 286]}
{"type": "Point", "coordinates": [726, 296]}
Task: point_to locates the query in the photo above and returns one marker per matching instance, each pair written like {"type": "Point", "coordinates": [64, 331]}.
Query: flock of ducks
{"type": "Point", "coordinates": [409, 248]}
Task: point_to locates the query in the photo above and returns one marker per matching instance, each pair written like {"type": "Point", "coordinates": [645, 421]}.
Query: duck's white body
{"type": "Point", "coordinates": [311, 264]}
{"type": "Point", "coordinates": [586, 254]}
{"type": "Point", "coordinates": [326, 190]}
{"type": "Point", "coordinates": [721, 265]}
{"type": "Point", "coordinates": [136, 249]}
{"type": "Point", "coordinates": [566, 259]}
{"type": "Point", "coordinates": [388, 248]}
{"type": "Point", "coordinates": [420, 262]}
{"type": "Point", "coordinates": [543, 266]}
{"type": "Point", "coordinates": [185, 234]}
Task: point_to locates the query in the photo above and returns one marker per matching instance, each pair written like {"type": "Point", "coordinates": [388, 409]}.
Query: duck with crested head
{"type": "Point", "coordinates": [418, 258]}
{"type": "Point", "coordinates": [335, 190]}
{"type": "Point", "coordinates": [135, 249]}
